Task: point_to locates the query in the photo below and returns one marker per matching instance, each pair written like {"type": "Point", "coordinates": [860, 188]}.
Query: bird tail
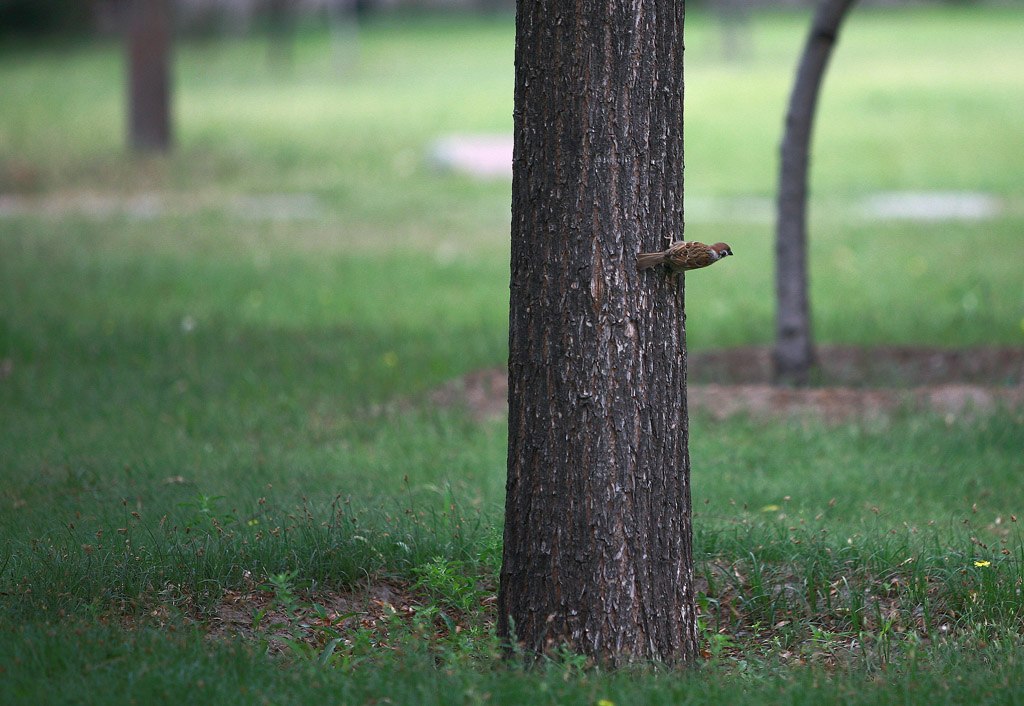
{"type": "Point", "coordinates": [649, 259]}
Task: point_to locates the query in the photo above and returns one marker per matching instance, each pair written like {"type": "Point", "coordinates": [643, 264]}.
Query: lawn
{"type": "Point", "coordinates": [216, 372]}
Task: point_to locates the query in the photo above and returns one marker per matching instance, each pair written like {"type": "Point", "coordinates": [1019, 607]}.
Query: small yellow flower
{"type": "Point", "coordinates": [983, 563]}
{"type": "Point", "coordinates": [390, 359]}
{"type": "Point", "coordinates": [769, 508]}
{"type": "Point", "coordinates": [253, 522]}
{"type": "Point", "coordinates": [605, 702]}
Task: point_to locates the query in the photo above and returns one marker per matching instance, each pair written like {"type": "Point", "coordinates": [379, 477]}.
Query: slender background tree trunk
{"type": "Point", "coordinates": [149, 83]}
{"type": "Point", "coordinates": [597, 552]}
{"type": "Point", "coordinates": [794, 342]}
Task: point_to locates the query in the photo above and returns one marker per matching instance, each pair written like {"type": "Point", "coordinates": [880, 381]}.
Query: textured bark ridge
{"type": "Point", "coordinates": [597, 552]}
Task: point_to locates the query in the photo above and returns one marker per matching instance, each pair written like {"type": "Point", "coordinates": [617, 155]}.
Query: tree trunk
{"type": "Point", "coordinates": [794, 346]}
{"type": "Point", "coordinates": [597, 544]}
{"type": "Point", "coordinates": [734, 22]}
{"type": "Point", "coordinates": [280, 34]}
{"type": "Point", "coordinates": [149, 42]}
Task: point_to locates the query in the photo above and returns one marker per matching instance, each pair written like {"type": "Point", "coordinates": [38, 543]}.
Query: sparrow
{"type": "Point", "coordinates": [684, 255]}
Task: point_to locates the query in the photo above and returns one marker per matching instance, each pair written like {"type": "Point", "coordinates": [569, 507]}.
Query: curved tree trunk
{"type": "Point", "coordinates": [794, 347]}
{"type": "Point", "coordinates": [597, 545]}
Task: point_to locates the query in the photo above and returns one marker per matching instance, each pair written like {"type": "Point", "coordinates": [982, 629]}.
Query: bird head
{"type": "Point", "coordinates": [721, 249]}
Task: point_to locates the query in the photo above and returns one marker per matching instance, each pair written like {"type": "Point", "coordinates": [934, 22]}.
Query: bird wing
{"type": "Point", "coordinates": [693, 255]}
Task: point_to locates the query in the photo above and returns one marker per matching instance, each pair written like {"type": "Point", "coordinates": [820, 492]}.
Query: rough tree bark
{"type": "Point", "coordinates": [149, 85]}
{"type": "Point", "coordinates": [597, 544]}
{"type": "Point", "coordinates": [794, 343]}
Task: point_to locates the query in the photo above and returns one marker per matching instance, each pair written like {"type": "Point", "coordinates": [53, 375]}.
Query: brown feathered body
{"type": "Point", "coordinates": [684, 255]}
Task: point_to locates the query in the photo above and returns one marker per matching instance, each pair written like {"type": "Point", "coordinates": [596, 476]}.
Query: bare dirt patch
{"type": "Point", "coordinates": [877, 366]}
{"type": "Point", "coordinates": [256, 614]}
{"type": "Point", "coordinates": [852, 383]}
{"type": "Point", "coordinates": [235, 614]}
{"type": "Point", "coordinates": [382, 617]}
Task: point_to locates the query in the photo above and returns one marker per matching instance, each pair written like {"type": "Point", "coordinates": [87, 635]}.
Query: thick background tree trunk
{"type": "Point", "coordinates": [149, 84]}
{"type": "Point", "coordinates": [597, 552]}
{"type": "Point", "coordinates": [794, 343]}
{"type": "Point", "coordinates": [281, 34]}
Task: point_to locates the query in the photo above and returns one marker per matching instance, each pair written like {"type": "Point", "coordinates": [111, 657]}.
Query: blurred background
{"type": "Point", "coordinates": [319, 242]}
{"type": "Point", "coordinates": [254, 263]}
{"type": "Point", "coordinates": [371, 125]}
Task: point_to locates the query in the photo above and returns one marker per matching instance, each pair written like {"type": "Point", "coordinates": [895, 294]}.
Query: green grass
{"type": "Point", "coordinates": [896, 112]}
{"type": "Point", "coordinates": [220, 364]}
{"type": "Point", "coordinates": [180, 667]}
